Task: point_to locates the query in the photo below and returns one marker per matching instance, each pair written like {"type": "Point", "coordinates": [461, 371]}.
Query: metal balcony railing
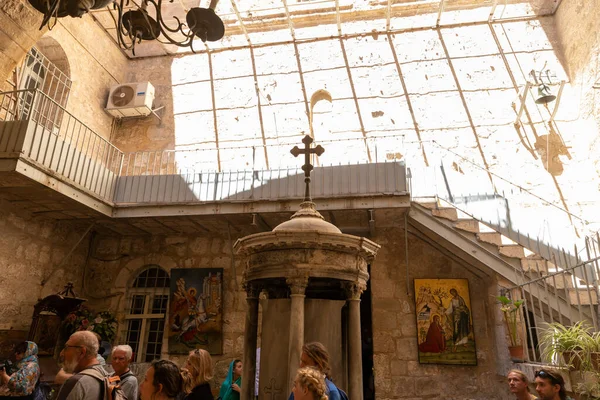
{"type": "Point", "coordinates": [536, 223]}
{"type": "Point", "coordinates": [41, 131]}
{"type": "Point", "coordinates": [173, 176]}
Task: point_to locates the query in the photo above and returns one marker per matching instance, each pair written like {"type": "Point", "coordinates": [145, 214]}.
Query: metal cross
{"type": "Point", "coordinates": [307, 167]}
{"type": "Point", "coordinates": [272, 389]}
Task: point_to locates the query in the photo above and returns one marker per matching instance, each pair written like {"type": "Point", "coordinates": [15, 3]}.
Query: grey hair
{"type": "Point", "coordinates": [123, 347]}
{"type": "Point", "coordinates": [89, 341]}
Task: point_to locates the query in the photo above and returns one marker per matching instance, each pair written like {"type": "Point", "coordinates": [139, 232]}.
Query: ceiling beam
{"type": "Point", "coordinates": [241, 21]}
{"type": "Point", "coordinates": [289, 19]}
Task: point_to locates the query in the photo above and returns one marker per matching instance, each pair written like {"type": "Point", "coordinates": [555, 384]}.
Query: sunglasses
{"type": "Point", "coordinates": [547, 375]}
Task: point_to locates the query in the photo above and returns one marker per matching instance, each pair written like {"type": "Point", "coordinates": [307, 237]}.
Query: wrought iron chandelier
{"type": "Point", "coordinates": [143, 23]}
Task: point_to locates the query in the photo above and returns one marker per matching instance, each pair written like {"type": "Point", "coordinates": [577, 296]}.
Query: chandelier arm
{"type": "Point", "coordinates": [165, 29]}
{"type": "Point", "coordinates": [162, 23]}
{"type": "Point", "coordinates": [121, 33]}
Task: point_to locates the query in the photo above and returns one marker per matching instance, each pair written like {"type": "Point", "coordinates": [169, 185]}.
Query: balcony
{"type": "Point", "coordinates": [54, 164]}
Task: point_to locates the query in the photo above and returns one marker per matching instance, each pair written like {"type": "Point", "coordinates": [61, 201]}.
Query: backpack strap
{"type": "Point", "coordinates": [99, 376]}
{"type": "Point", "coordinates": [93, 372]}
{"type": "Point", "coordinates": [125, 375]}
{"type": "Point", "coordinates": [68, 386]}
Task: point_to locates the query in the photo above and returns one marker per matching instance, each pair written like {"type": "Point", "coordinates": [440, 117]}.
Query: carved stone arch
{"type": "Point", "coordinates": [133, 268]}
{"type": "Point", "coordinates": [54, 52]}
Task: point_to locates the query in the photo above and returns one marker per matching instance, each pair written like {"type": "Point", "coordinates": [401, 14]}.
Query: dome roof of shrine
{"type": "Point", "coordinates": [307, 218]}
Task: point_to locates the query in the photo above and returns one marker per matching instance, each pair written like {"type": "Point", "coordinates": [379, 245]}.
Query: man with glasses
{"type": "Point", "coordinates": [550, 385]}
{"type": "Point", "coordinates": [121, 357]}
{"type": "Point", "coordinates": [79, 358]}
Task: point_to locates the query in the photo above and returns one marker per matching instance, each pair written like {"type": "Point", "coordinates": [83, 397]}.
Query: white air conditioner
{"type": "Point", "coordinates": [130, 100]}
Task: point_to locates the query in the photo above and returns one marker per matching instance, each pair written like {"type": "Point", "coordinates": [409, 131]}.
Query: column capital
{"type": "Point", "coordinates": [252, 290]}
{"type": "Point", "coordinates": [354, 289]}
{"type": "Point", "coordinates": [297, 285]}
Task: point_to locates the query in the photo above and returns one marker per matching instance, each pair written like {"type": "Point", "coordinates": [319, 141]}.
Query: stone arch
{"type": "Point", "coordinates": [126, 277]}
{"type": "Point", "coordinates": [132, 269]}
{"type": "Point", "coordinates": [54, 52]}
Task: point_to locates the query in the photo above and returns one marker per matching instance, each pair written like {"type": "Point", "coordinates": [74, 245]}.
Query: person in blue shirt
{"type": "Point", "coordinates": [315, 355]}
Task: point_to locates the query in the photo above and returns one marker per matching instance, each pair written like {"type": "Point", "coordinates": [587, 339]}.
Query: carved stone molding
{"type": "Point", "coordinates": [354, 289]}
{"type": "Point", "coordinates": [297, 285]}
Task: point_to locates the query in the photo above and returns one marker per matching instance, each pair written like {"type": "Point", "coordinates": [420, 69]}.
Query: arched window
{"type": "Point", "coordinates": [145, 315]}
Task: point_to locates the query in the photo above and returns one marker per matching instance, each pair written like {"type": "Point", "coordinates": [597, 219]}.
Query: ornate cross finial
{"type": "Point", "coordinates": [307, 167]}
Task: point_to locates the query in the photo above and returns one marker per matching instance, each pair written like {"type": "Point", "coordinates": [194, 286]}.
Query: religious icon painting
{"type": "Point", "coordinates": [195, 312]}
{"type": "Point", "coordinates": [444, 322]}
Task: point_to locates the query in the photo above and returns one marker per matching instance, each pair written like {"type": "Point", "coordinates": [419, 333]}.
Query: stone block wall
{"type": "Point", "coordinates": [96, 64]}
{"type": "Point", "coordinates": [31, 260]}
{"type": "Point", "coordinates": [108, 281]}
{"type": "Point", "coordinates": [19, 25]}
{"type": "Point", "coordinates": [398, 373]}
{"type": "Point", "coordinates": [94, 61]}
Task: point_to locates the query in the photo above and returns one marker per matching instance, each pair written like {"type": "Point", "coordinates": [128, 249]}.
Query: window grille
{"type": "Point", "coordinates": [38, 72]}
{"type": "Point", "coordinates": [145, 314]}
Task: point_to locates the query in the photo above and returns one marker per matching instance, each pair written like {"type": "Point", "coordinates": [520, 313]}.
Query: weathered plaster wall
{"type": "Point", "coordinates": [19, 25]}
{"type": "Point", "coordinates": [576, 25]}
{"type": "Point", "coordinates": [108, 281]}
{"type": "Point", "coordinates": [31, 252]}
{"type": "Point", "coordinates": [577, 29]}
{"type": "Point", "coordinates": [398, 373]}
{"type": "Point", "coordinates": [96, 63]}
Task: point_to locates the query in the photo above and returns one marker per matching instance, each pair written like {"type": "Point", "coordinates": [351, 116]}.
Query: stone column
{"type": "Point", "coordinates": [297, 290]}
{"type": "Point", "coordinates": [355, 378]}
{"type": "Point", "coordinates": [250, 338]}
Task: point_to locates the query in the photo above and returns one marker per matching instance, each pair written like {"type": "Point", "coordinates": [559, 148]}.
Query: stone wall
{"type": "Point", "coordinates": [19, 25]}
{"type": "Point", "coordinates": [31, 260]}
{"type": "Point", "coordinates": [96, 64]}
{"type": "Point", "coordinates": [108, 281]}
{"type": "Point", "coordinates": [114, 263]}
{"type": "Point", "coordinates": [94, 61]}
{"type": "Point", "coordinates": [577, 28]}
{"type": "Point", "coordinates": [397, 371]}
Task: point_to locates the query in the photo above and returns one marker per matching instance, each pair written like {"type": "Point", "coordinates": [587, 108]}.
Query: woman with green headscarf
{"type": "Point", "coordinates": [232, 386]}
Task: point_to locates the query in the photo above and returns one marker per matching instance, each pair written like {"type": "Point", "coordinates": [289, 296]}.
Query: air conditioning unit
{"type": "Point", "coordinates": [130, 100]}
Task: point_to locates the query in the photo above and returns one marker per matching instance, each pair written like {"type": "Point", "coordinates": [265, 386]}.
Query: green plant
{"type": "Point", "coordinates": [83, 319]}
{"type": "Point", "coordinates": [510, 308]}
{"type": "Point", "coordinates": [567, 345]}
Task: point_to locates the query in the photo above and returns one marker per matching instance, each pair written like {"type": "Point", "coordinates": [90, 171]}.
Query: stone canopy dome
{"type": "Point", "coordinates": [306, 246]}
{"type": "Point", "coordinates": [307, 218]}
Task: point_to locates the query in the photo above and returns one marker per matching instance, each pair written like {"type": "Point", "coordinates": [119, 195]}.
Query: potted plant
{"type": "Point", "coordinates": [567, 346]}
{"type": "Point", "coordinates": [594, 351]}
{"type": "Point", "coordinates": [510, 309]}
{"type": "Point", "coordinates": [83, 319]}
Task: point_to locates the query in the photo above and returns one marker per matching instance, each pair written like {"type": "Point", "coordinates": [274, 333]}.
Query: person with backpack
{"type": "Point", "coordinates": [79, 355]}
{"type": "Point", "coordinates": [22, 382]}
{"type": "Point", "coordinates": [315, 355]}
{"type": "Point", "coordinates": [120, 359]}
